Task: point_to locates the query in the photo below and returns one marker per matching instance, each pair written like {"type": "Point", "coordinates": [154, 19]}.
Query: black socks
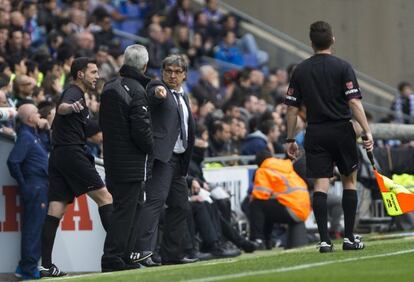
{"type": "Point", "coordinates": [105, 212]}
{"type": "Point", "coordinates": [52, 223]}
{"type": "Point", "coordinates": [48, 239]}
{"type": "Point", "coordinates": [320, 211]}
{"type": "Point", "coordinates": [349, 205]}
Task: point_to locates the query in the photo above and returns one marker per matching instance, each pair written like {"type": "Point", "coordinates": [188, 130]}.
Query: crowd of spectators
{"type": "Point", "coordinates": [236, 98]}
{"type": "Point", "coordinates": [235, 95]}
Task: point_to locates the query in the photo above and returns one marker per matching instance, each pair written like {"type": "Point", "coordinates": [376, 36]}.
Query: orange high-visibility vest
{"type": "Point", "coordinates": [276, 179]}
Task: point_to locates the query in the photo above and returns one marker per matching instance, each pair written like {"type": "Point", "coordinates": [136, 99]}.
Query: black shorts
{"type": "Point", "coordinates": [330, 144]}
{"type": "Point", "coordinates": [71, 173]}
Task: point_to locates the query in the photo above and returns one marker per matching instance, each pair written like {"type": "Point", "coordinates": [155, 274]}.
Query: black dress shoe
{"type": "Point", "coordinates": [117, 264]}
{"type": "Point", "coordinates": [109, 264]}
{"type": "Point", "coordinates": [248, 246]}
{"type": "Point", "coordinates": [183, 260]}
{"type": "Point", "coordinates": [121, 268]}
{"type": "Point", "coordinates": [224, 250]}
{"type": "Point", "coordinates": [196, 254]}
{"type": "Point", "coordinates": [203, 256]}
{"type": "Point", "coordinates": [259, 244]}
{"type": "Point", "coordinates": [148, 262]}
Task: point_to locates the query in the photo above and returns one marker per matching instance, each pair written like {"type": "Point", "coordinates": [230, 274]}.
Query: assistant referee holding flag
{"type": "Point", "coordinates": [71, 169]}
{"type": "Point", "coordinates": [328, 88]}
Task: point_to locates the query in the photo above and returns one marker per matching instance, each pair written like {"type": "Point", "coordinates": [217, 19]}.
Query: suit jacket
{"type": "Point", "coordinates": [166, 124]}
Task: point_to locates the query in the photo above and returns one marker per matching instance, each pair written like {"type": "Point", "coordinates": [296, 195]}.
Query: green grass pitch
{"type": "Point", "coordinates": [384, 259]}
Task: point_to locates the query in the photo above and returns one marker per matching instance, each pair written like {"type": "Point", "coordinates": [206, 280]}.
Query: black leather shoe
{"type": "Point", "coordinates": [199, 255]}
{"type": "Point", "coordinates": [204, 256]}
{"type": "Point", "coordinates": [148, 262]}
{"type": "Point", "coordinates": [183, 260]}
{"type": "Point", "coordinates": [117, 264]}
{"type": "Point", "coordinates": [129, 266]}
{"type": "Point", "coordinates": [221, 252]}
{"type": "Point", "coordinates": [259, 244]}
{"type": "Point", "coordinates": [248, 246]}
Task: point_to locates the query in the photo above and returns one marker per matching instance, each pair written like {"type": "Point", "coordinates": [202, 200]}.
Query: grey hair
{"type": "Point", "coordinates": [175, 60]}
{"type": "Point", "coordinates": [136, 56]}
{"type": "Point", "coordinates": [205, 70]}
{"type": "Point", "coordinates": [25, 111]}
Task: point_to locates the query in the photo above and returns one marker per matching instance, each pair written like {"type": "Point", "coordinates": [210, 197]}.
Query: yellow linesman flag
{"type": "Point", "coordinates": [397, 199]}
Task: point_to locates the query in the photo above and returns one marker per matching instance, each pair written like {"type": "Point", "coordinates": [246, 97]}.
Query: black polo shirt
{"type": "Point", "coordinates": [70, 129]}
{"type": "Point", "coordinates": [323, 84]}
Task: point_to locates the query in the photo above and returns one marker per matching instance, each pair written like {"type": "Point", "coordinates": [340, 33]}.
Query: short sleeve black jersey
{"type": "Point", "coordinates": [323, 84]}
{"type": "Point", "coordinates": [70, 129]}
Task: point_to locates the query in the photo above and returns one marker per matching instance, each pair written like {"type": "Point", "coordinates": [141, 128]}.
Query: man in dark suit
{"type": "Point", "coordinates": [173, 131]}
{"type": "Point", "coordinates": [128, 143]}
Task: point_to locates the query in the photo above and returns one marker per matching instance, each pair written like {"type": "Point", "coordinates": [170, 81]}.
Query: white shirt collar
{"type": "Point", "coordinates": [180, 91]}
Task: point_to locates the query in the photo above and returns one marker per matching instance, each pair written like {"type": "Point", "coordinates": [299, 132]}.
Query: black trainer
{"type": "Point", "coordinates": [349, 245]}
{"type": "Point", "coordinates": [52, 271]}
{"type": "Point", "coordinates": [324, 247]}
{"type": "Point", "coordinates": [136, 257]}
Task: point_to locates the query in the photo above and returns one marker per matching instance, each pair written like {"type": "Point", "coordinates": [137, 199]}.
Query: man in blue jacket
{"type": "Point", "coordinates": [28, 162]}
{"type": "Point", "coordinates": [228, 51]}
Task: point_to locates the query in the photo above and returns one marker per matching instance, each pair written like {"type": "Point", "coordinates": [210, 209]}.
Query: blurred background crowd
{"type": "Point", "coordinates": [236, 96]}
{"type": "Point", "coordinates": [234, 93]}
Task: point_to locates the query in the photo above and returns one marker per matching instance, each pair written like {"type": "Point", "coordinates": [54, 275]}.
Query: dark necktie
{"type": "Point", "coordinates": [183, 134]}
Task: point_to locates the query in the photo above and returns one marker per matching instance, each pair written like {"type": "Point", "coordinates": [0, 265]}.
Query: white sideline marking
{"type": "Point", "coordinates": [297, 267]}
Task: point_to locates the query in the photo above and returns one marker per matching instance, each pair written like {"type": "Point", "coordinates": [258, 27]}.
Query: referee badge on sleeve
{"type": "Point", "coordinates": [349, 85]}
{"type": "Point", "coordinates": [289, 94]}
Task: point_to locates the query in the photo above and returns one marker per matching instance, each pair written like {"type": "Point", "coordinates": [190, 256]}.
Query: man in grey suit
{"type": "Point", "coordinates": [173, 131]}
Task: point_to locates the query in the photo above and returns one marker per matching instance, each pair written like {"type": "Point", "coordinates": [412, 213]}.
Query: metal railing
{"type": "Point", "coordinates": [381, 94]}
{"type": "Point", "coordinates": [304, 51]}
{"type": "Point", "coordinates": [130, 36]}
{"type": "Point", "coordinates": [7, 137]}
{"type": "Point", "coordinates": [293, 46]}
{"type": "Point", "coordinates": [386, 111]}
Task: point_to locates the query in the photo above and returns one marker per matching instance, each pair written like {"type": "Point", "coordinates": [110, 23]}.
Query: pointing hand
{"type": "Point", "coordinates": [160, 92]}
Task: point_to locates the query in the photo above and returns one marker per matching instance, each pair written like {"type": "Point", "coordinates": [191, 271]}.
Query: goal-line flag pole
{"type": "Point", "coordinates": [397, 199]}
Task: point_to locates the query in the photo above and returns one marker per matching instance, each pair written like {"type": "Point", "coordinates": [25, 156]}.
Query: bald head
{"type": "Point", "coordinates": [208, 73]}
{"type": "Point", "coordinates": [23, 79]}
{"type": "Point", "coordinates": [28, 114]}
{"type": "Point", "coordinates": [17, 19]}
{"type": "Point", "coordinates": [155, 32]}
{"type": "Point", "coordinates": [23, 85]}
{"type": "Point", "coordinates": [85, 40]}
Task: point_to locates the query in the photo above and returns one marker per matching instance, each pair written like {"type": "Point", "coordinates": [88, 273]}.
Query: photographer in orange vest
{"type": "Point", "coordinates": [279, 195]}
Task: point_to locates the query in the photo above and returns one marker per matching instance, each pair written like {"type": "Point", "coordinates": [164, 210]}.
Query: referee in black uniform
{"type": "Point", "coordinates": [71, 169]}
{"type": "Point", "coordinates": [328, 88]}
